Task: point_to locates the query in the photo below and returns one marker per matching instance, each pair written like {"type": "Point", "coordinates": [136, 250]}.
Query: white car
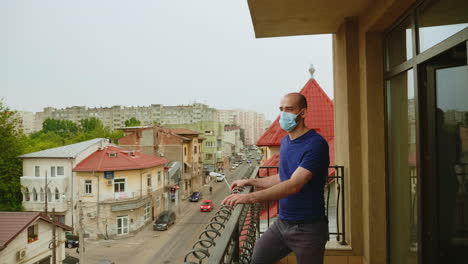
{"type": "Point", "coordinates": [219, 176]}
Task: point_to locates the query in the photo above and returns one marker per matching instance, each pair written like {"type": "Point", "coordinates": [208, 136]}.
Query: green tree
{"type": "Point", "coordinates": [91, 124]}
{"type": "Point", "coordinates": [11, 141]}
{"type": "Point", "coordinates": [64, 128]}
{"type": "Point", "coordinates": [132, 122]}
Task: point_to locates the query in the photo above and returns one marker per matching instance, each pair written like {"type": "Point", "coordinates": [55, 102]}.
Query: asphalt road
{"type": "Point", "coordinates": [186, 231]}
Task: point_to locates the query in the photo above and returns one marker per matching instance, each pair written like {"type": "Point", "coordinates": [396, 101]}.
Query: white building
{"type": "Point", "coordinates": [56, 166]}
{"type": "Point", "coordinates": [25, 238]}
{"type": "Point", "coordinates": [252, 122]}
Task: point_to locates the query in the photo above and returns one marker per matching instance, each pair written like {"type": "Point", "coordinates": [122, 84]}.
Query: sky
{"type": "Point", "coordinates": [136, 53]}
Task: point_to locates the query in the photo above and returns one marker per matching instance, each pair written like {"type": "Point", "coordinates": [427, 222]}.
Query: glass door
{"type": "Point", "coordinates": [122, 225]}
{"type": "Point", "coordinates": [444, 85]}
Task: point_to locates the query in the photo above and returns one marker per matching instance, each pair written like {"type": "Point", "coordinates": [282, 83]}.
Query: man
{"type": "Point", "coordinates": [302, 226]}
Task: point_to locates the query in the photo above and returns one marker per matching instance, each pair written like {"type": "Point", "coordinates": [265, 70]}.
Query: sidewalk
{"type": "Point", "coordinates": [122, 250]}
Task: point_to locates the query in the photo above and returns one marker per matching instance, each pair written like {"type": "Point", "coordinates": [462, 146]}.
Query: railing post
{"type": "Point", "coordinates": [343, 219]}
{"type": "Point", "coordinates": [235, 254]}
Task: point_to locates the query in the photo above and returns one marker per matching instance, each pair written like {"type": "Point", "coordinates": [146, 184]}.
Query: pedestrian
{"type": "Point", "coordinates": [302, 226]}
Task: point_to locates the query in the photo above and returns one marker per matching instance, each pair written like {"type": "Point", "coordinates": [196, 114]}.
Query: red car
{"type": "Point", "coordinates": [206, 206]}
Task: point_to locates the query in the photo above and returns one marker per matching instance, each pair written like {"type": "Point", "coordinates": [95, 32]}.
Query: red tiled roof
{"type": "Point", "coordinates": [319, 116]}
{"type": "Point", "coordinates": [272, 162]}
{"type": "Point", "coordinates": [13, 223]}
{"type": "Point", "coordinates": [101, 160]}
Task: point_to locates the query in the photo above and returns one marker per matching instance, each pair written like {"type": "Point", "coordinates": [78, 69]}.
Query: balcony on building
{"type": "Point", "coordinates": [36, 191]}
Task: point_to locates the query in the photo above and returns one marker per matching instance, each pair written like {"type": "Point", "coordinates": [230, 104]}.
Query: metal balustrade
{"type": "Point", "coordinates": [230, 235]}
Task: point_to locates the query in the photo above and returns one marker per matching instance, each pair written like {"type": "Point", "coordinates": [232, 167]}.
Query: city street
{"type": "Point", "coordinates": [149, 246]}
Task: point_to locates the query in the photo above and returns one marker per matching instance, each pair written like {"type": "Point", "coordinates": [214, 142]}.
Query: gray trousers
{"type": "Point", "coordinates": [307, 241]}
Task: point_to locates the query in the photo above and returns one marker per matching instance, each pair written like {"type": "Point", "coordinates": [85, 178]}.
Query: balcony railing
{"type": "Point", "coordinates": [231, 234]}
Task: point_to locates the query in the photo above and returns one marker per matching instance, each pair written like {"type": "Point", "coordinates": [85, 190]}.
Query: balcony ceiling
{"type": "Point", "coordinates": [301, 17]}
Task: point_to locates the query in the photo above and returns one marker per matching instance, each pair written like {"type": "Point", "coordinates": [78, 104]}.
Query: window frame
{"type": "Point", "coordinates": [88, 187]}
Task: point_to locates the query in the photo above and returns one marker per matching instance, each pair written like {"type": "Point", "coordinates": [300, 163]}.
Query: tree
{"type": "Point", "coordinates": [91, 124]}
{"type": "Point", "coordinates": [132, 122]}
{"type": "Point", "coordinates": [64, 128]}
{"type": "Point", "coordinates": [11, 141]}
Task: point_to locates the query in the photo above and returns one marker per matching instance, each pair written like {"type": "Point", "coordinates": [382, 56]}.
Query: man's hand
{"type": "Point", "coordinates": [235, 199]}
{"type": "Point", "coordinates": [239, 183]}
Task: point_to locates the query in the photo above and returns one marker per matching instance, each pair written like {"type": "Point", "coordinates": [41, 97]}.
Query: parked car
{"type": "Point", "coordinates": [71, 241]}
{"type": "Point", "coordinates": [206, 206]}
{"type": "Point", "coordinates": [196, 196]}
{"type": "Point", "coordinates": [163, 222]}
{"type": "Point", "coordinates": [220, 178]}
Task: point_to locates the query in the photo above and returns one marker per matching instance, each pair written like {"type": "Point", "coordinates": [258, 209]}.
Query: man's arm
{"type": "Point", "coordinates": [264, 182]}
{"type": "Point", "coordinates": [299, 178]}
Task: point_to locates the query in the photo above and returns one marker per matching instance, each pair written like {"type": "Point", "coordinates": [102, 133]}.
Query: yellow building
{"type": "Point", "coordinates": [120, 191]}
{"type": "Point", "coordinates": [400, 71]}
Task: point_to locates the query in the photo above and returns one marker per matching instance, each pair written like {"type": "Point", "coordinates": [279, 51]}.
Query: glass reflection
{"type": "Point", "coordinates": [438, 20]}
{"type": "Point", "coordinates": [403, 178]}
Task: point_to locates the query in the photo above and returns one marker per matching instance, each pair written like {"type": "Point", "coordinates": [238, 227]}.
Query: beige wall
{"type": "Point", "coordinates": [35, 250]}
{"type": "Point", "coordinates": [98, 216]}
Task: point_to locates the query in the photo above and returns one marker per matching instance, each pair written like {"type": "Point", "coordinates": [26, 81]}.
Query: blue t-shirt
{"type": "Point", "coordinates": [309, 151]}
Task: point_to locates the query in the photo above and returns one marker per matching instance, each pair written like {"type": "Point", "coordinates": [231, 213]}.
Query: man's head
{"type": "Point", "coordinates": [296, 104]}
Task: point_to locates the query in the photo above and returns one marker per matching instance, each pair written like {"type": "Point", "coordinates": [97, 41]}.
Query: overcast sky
{"type": "Point", "coordinates": [134, 53]}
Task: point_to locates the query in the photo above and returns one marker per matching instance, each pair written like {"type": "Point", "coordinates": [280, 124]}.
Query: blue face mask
{"type": "Point", "coordinates": [288, 121]}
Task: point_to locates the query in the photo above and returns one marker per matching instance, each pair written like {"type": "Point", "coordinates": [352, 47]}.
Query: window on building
{"type": "Point", "coordinates": [159, 178]}
{"type": "Point", "coordinates": [27, 195]}
{"type": "Point", "coordinates": [41, 195]}
{"type": "Point", "coordinates": [148, 180]}
{"type": "Point", "coordinates": [57, 194]}
{"type": "Point", "coordinates": [52, 171]}
{"type": "Point", "coordinates": [185, 151]}
{"type": "Point", "coordinates": [209, 156]}
{"type": "Point", "coordinates": [119, 185]}
{"type": "Point", "coordinates": [34, 195]}
{"type": "Point", "coordinates": [88, 186]}
{"type": "Point", "coordinates": [60, 171]}
{"type": "Point", "coordinates": [37, 171]}
{"type": "Point", "coordinates": [195, 149]}
{"type": "Point", "coordinates": [33, 233]}
{"type": "Point", "coordinates": [147, 213]}
{"type": "Point", "coordinates": [158, 202]}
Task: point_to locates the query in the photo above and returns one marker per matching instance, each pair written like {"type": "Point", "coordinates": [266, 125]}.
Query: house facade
{"type": "Point", "coordinates": [25, 238]}
{"type": "Point", "coordinates": [400, 73]}
{"type": "Point", "coordinates": [184, 146]}
{"type": "Point", "coordinates": [119, 191]}
{"type": "Point", "coordinates": [49, 181]}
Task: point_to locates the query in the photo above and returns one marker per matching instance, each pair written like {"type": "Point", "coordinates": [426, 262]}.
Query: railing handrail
{"type": "Point", "coordinates": [232, 227]}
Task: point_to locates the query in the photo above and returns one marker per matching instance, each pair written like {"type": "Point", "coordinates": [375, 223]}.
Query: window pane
{"type": "Point", "coordinates": [438, 20]}
{"type": "Point", "coordinates": [399, 44]}
{"type": "Point", "coordinates": [52, 171]}
{"type": "Point", "coordinates": [452, 152]}
{"type": "Point", "coordinates": [402, 173]}
{"type": "Point", "coordinates": [60, 171]}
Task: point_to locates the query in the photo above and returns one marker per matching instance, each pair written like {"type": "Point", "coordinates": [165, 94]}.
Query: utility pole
{"type": "Point", "coordinates": [54, 238]}
{"type": "Point", "coordinates": [81, 240]}
{"type": "Point", "coordinates": [45, 190]}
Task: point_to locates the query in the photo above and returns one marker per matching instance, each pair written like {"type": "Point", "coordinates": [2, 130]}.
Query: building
{"type": "Point", "coordinates": [182, 146]}
{"type": "Point", "coordinates": [232, 135]}
{"type": "Point", "coordinates": [25, 238]}
{"type": "Point", "coordinates": [251, 122]}
{"type": "Point", "coordinates": [119, 191]}
{"type": "Point", "coordinates": [27, 122]}
{"type": "Point", "coordinates": [48, 179]}
{"type": "Point", "coordinates": [114, 117]}
{"type": "Point", "coordinates": [212, 132]}
{"type": "Point", "coordinates": [404, 193]}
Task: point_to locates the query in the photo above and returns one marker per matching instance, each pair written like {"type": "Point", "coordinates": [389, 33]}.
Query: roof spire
{"type": "Point", "coordinates": [312, 71]}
